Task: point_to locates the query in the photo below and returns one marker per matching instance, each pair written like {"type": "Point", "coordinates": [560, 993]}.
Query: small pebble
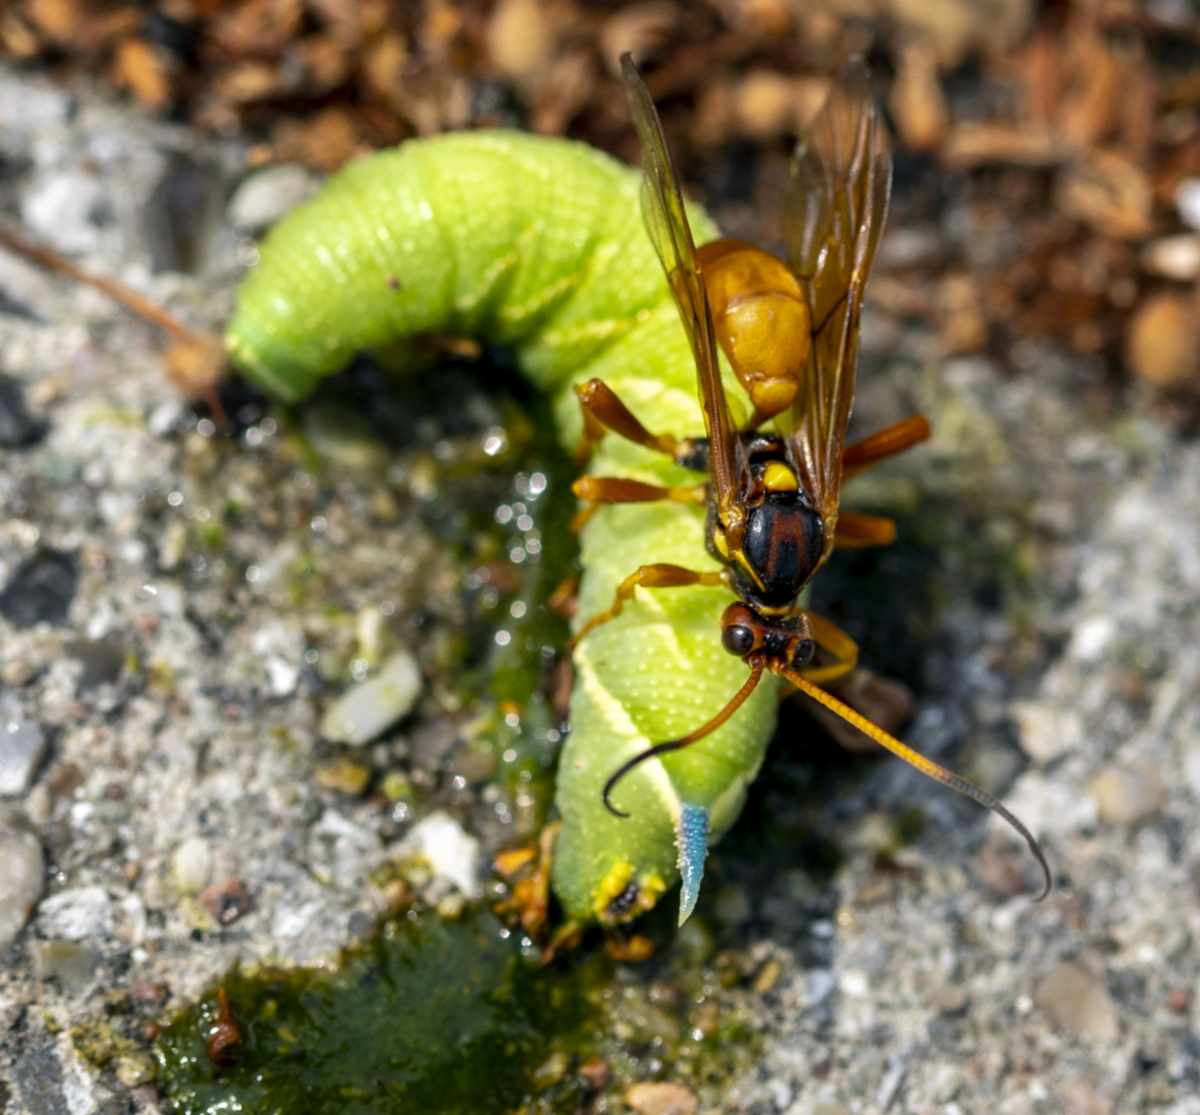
{"type": "Point", "coordinates": [818, 986]}
{"type": "Point", "coordinates": [40, 590]}
{"type": "Point", "coordinates": [1049, 806]}
{"type": "Point", "coordinates": [550, 1071]}
{"type": "Point", "coordinates": [267, 195]}
{"type": "Point", "coordinates": [450, 851]}
{"type": "Point", "coordinates": [1047, 729]}
{"type": "Point", "coordinates": [343, 775]}
{"type": "Point", "coordinates": [133, 1069]}
{"type": "Point", "coordinates": [74, 967]}
{"type": "Point", "coordinates": [22, 880]}
{"type": "Point", "coordinates": [282, 676]}
{"type": "Point", "coordinates": [595, 1073]}
{"type": "Point", "coordinates": [661, 1099]}
{"type": "Point", "coordinates": [1127, 795]}
{"type": "Point", "coordinates": [192, 865]}
{"type": "Point", "coordinates": [1092, 638]}
{"type": "Point", "coordinates": [22, 748]}
{"type": "Point", "coordinates": [369, 709]}
{"type": "Point", "coordinates": [227, 902]}
{"type": "Point", "coordinates": [102, 660]}
{"type": "Point", "coordinates": [78, 914]}
{"type": "Point", "coordinates": [1191, 766]}
{"type": "Point", "coordinates": [344, 438]}
{"type": "Point", "coordinates": [1163, 343]}
{"type": "Point", "coordinates": [768, 976]}
{"type": "Point", "coordinates": [58, 209]}
{"type": "Point", "coordinates": [765, 103]}
{"type": "Point", "coordinates": [432, 740]}
{"type": "Point", "coordinates": [951, 999]}
{"type": "Point", "coordinates": [17, 429]}
{"type": "Point", "coordinates": [478, 764]}
{"type": "Point", "coordinates": [1076, 1000]}
{"type": "Point", "coordinates": [520, 39]}
{"type": "Point", "coordinates": [452, 907]}
{"type": "Point", "coordinates": [1187, 201]}
{"type": "Point", "coordinates": [1174, 257]}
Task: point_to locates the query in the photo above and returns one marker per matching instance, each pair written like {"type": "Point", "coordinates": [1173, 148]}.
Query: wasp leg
{"type": "Point", "coordinates": [599, 490]}
{"type": "Point", "coordinates": [886, 443]}
{"type": "Point", "coordinates": [829, 637]}
{"type": "Point", "coordinates": [603, 411]}
{"type": "Point", "coordinates": [856, 532]}
{"type": "Point", "coordinates": [657, 575]}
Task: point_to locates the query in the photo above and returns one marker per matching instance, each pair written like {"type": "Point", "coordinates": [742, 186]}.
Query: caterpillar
{"type": "Point", "coordinates": [538, 244]}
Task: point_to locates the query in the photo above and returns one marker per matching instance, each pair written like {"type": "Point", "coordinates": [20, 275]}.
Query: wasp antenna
{"type": "Point", "coordinates": [926, 766]}
{"type": "Point", "coordinates": [731, 706]}
{"type": "Point", "coordinates": [637, 761]}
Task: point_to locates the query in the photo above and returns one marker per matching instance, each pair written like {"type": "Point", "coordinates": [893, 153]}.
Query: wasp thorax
{"type": "Point", "coordinates": [783, 544]}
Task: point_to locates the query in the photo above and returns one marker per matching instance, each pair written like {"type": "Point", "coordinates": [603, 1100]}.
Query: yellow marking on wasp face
{"type": "Point", "coordinates": [778, 477]}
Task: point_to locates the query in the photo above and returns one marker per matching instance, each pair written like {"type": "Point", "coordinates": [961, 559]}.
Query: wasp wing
{"type": "Point", "coordinates": [834, 214]}
{"type": "Point", "coordinates": [666, 222]}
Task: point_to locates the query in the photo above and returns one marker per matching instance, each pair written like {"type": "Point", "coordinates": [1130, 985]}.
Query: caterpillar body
{"type": "Point", "coordinates": [539, 245]}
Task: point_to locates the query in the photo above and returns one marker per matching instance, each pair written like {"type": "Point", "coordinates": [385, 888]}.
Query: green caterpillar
{"type": "Point", "coordinates": [539, 244]}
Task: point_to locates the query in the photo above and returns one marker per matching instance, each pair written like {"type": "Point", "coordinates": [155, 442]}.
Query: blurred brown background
{"type": "Point", "coordinates": [1048, 170]}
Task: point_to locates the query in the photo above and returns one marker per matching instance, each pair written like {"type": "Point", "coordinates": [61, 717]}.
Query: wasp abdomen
{"type": "Point", "coordinates": [761, 319]}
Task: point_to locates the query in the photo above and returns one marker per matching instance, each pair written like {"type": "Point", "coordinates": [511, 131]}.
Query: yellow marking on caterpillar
{"type": "Point", "coordinates": [468, 303]}
{"type": "Point", "coordinates": [621, 725]}
{"type": "Point", "coordinates": [613, 886]}
{"type": "Point", "coordinates": [515, 315]}
{"type": "Point", "coordinates": [587, 331]}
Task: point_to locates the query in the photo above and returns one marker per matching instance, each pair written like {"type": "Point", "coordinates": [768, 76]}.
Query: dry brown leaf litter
{"type": "Point", "coordinates": [1069, 131]}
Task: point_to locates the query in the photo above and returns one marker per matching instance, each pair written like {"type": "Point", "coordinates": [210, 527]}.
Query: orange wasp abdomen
{"type": "Point", "coordinates": [761, 318]}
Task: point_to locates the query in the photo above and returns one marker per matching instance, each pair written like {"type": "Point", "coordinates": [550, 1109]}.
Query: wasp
{"type": "Point", "coordinates": [790, 333]}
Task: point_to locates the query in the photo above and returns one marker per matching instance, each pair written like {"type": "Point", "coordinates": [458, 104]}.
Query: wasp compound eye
{"type": "Point", "coordinates": [803, 653]}
{"type": "Point", "coordinates": [738, 639]}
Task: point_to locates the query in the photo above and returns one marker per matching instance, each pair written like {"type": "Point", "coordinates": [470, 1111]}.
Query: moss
{"type": "Point", "coordinates": [385, 1031]}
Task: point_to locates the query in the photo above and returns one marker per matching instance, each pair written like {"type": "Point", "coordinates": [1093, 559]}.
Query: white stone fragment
{"type": "Point", "coordinates": [370, 708]}
{"type": "Point", "coordinates": [192, 865]}
{"type": "Point", "coordinates": [78, 914]}
{"type": "Point", "coordinates": [1187, 201]}
{"type": "Point", "coordinates": [22, 878]}
{"type": "Point", "coordinates": [22, 746]}
{"type": "Point", "coordinates": [267, 194]}
{"type": "Point", "coordinates": [451, 852]}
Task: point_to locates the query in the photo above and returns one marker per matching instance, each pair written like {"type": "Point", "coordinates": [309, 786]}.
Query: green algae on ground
{"type": "Point", "coordinates": [434, 1016]}
{"type": "Point", "coordinates": [444, 1017]}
